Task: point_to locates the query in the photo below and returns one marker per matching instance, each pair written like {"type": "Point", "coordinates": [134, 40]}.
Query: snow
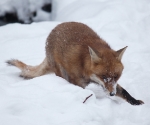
{"type": "Point", "coordinates": [51, 100]}
{"type": "Point", "coordinates": [24, 9]}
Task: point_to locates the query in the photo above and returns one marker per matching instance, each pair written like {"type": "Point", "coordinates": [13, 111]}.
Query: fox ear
{"type": "Point", "coordinates": [93, 55]}
{"type": "Point", "coordinates": [120, 53]}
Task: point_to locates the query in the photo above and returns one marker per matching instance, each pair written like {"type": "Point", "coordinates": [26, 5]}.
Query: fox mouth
{"type": "Point", "coordinates": [96, 80]}
{"type": "Point", "coordinates": [108, 93]}
{"type": "Point", "coordinates": [113, 93]}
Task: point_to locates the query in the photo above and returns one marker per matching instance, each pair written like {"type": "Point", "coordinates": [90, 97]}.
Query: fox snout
{"type": "Point", "coordinates": [110, 86]}
{"type": "Point", "coordinates": [112, 93]}
{"type": "Point", "coordinates": [112, 90]}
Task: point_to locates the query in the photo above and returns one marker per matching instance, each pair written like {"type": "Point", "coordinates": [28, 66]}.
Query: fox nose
{"type": "Point", "coordinates": [112, 93]}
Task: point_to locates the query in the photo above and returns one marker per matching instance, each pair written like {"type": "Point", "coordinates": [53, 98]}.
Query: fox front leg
{"type": "Point", "coordinates": [121, 92]}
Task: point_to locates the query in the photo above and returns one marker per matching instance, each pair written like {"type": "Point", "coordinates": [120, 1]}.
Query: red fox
{"type": "Point", "coordinates": [76, 53]}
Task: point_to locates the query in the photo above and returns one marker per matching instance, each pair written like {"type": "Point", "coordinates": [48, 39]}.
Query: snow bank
{"type": "Point", "coordinates": [66, 10]}
{"type": "Point", "coordinates": [50, 100]}
{"type": "Point", "coordinates": [25, 9]}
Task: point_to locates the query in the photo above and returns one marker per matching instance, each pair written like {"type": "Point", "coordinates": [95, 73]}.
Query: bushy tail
{"type": "Point", "coordinates": [31, 71]}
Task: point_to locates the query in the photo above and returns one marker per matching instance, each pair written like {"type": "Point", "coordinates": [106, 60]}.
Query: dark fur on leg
{"type": "Point", "coordinates": [121, 92]}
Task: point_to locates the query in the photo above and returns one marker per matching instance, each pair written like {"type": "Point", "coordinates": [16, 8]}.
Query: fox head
{"type": "Point", "coordinates": [106, 68]}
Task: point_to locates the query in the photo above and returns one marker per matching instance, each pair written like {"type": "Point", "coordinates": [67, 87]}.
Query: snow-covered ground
{"type": "Point", "coordinates": [51, 100]}
{"type": "Point", "coordinates": [25, 9]}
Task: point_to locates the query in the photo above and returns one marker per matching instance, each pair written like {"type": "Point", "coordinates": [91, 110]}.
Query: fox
{"type": "Point", "coordinates": [76, 53]}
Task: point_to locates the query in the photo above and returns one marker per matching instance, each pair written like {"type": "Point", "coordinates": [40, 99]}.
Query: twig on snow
{"type": "Point", "coordinates": [87, 98]}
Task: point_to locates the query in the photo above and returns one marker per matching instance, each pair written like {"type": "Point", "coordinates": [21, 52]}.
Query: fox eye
{"type": "Point", "coordinates": [104, 77]}
{"type": "Point", "coordinates": [116, 76]}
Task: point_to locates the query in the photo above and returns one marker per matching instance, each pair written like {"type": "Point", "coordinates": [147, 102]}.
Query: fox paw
{"type": "Point", "coordinates": [135, 102]}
